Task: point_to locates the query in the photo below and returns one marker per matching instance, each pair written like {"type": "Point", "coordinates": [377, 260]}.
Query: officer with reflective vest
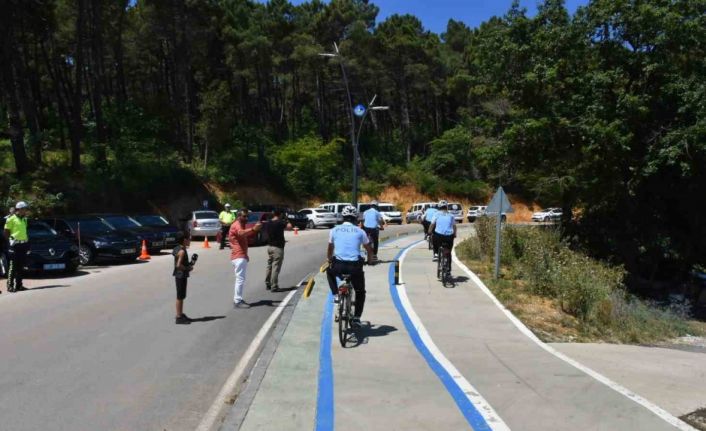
{"type": "Point", "coordinates": [16, 234]}
{"type": "Point", "coordinates": [227, 218]}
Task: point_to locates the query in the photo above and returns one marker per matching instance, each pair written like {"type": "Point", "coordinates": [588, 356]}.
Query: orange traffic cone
{"type": "Point", "coordinates": [145, 255]}
{"type": "Point", "coordinates": [205, 242]}
{"type": "Point", "coordinates": [296, 231]}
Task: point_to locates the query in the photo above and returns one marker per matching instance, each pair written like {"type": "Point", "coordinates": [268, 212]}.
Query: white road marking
{"type": "Point", "coordinates": [484, 408]}
{"type": "Point", "coordinates": [220, 402]}
{"type": "Point", "coordinates": [663, 414]}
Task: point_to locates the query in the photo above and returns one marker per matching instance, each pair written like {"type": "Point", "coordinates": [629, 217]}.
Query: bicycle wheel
{"type": "Point", "coordinates": [439, 261]}
{"type": "Point", "coordinates": [430, 243]}
{"type": "Point", "coordinates": [342, 320]}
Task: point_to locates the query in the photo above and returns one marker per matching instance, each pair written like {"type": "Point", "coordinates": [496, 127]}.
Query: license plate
{"type": "Point", "coordinates": [170, 239]}
{"type": "Point", "coordinates": [127, 250]}
{"type": "Point", "coordinates": [49, 266]}
{"type": "Point", "coordinates": [157, 244]}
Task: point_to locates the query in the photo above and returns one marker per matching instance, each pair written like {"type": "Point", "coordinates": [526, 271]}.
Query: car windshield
{"type": "Point", "coordinates": [121, 222]}
{"type": "Point", "coordinates": [321, 211]}
{"type": "Point", "coordinates": [40, 230]}
{"type": "Point", "coordinates": [90, 226]}
{"type": "Point", "coordinates": [152, 220]}
{"type": "Point", "coordinates": [206, 215]}
{"type": "Point", "coordinates": [473, 208]}
{"type": "Point", "coordinates": [387, 208]}
{"type": "Point", "coordinates": [364, 207]}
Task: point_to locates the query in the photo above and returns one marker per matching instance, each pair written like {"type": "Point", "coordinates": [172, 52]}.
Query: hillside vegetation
{"type": "Point", "coordinates": [134, 104]}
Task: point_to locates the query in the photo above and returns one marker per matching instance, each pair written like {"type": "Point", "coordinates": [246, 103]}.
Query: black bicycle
{"type": "Point", "coordinates": [346, 296]}
{"type": "Point", "coordinates": [443, 265]}
{"type": "Point", "coordinates": [430, 241]}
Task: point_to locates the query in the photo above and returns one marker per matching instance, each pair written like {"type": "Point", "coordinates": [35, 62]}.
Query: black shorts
{"type": "Point", "coordinates": [180, 287]}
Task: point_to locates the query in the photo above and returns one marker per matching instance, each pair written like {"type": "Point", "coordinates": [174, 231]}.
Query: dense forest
{"type": "Point", "coordinates": [602, 112]}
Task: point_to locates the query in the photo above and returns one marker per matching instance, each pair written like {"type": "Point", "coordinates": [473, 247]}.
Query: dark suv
{"type": "Point", "coordinates": [96, 238]}
{"type": "Point", "coordinates": [161, 225]}
{"type": "Point", "coordinates": [153, 237]}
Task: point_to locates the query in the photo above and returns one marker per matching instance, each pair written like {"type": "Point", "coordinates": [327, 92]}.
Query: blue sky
{"type": "Point", "coordinates": [436, 13]}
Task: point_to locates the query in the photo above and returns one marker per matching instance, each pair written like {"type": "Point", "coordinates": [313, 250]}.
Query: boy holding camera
{"type": "Point", "coordinates": [182, 268]}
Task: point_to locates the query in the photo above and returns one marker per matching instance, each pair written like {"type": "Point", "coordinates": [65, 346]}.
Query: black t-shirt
{"type": "Point", "coordinates": [275, 232]}
{"type": "Point", "coordinates": [177, 273]}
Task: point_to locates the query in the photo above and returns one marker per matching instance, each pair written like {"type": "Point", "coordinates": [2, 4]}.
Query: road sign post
{"type": "Point", "coordinates": [499, 204]}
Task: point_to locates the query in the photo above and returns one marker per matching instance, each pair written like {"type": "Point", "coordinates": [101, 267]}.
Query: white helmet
{"type": "Point", "coordinates": [21, 205]}
{"type": "Point", "coordinates": [227, 205]}
{"type": "Point", "coordinates": [349, 211]}
{"type": "Point", "coordinates": [442, 204]}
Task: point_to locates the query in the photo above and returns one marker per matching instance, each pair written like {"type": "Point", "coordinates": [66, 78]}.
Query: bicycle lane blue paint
{"type": "Point", "coordinates": [324, 398]}
{"type": "Point", "coordinates": [469, 411]}
{"type": "Point", "coordinates": [325, 393]}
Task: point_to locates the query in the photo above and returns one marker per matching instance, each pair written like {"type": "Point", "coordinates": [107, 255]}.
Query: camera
{"type": "Point", "coordinates": [194, 258]}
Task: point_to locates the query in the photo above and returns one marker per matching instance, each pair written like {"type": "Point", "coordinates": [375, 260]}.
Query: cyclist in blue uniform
{"type": "Point", "coordinates": [344, 257]}
{"type": "Point", "coordinates": [427, 218]}
{"type": "Point", "coordinates": [372, 223]}
{"type": "Point", "coordinates": [443, 228]}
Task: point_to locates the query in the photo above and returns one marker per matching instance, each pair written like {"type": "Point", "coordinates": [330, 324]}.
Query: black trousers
{"type": "Point", "coordinates": [425, 225]}
{"type": "Point", "coordinates": [224, 236]}
{"type": "Point", "coordinates": [374, 234]}
{"type": "Point", "coordinates": [17, 257]}
{"type": "Point", "coordinates": [437, 240]}
{"type": "Point", "coordinates": [355, 269]}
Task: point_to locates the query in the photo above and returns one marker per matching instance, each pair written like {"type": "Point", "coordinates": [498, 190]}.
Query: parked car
{"type": "Point", "coordinates": [96, 238]}
{"type": "Point", "coordinates": [296, 219]}
{"type": "Point", "coordinates": [390, 213]}
{"type": "Point", "coordinates": [203, 223]}
{"type": "Point", "coordinates": [474, 212]}
{"type": "Point", "coordinates": [456, 210]}
{"type": "Point", "coordinates": [319, 217]}
{"type": "Point", "coordinates": [257, 217]}
{"type": "Point", "coordinates": [414, 214]}
{"type": "Point", "coordinates": [153, 238]}
{"type": "Point", "coordinates": [547, 214]}
{"type": "Point", "coordinates": [50, 251]}
{"type": "Point", "coordinates": [336, 208]}
{"type": "Point", "coordinates": [161, 225]}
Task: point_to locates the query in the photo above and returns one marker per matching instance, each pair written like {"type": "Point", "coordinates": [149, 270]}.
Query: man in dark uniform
{"type": "Point", "coordinates": [16, 233]}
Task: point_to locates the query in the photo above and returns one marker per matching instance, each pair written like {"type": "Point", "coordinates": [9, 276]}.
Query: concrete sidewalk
{"type": "Point", "coordinates": [427, 357]}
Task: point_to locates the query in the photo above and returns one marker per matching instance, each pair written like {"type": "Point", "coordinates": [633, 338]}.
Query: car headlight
{"type": "Point", "coordinates": [100, 243]}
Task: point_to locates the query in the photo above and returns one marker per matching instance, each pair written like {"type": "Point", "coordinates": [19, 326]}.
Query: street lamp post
{"type": "Point", "coordinates": [354, 137]}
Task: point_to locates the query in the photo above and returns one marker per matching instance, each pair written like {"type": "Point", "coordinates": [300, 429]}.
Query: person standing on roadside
{"type": "Point", "coordinates": [238, 237]}
{"type": "Point", "coordinates": [182, 269]}
{"type": "Point", "coordinates": [227, 218]}
{"type": "Point", "coordinates": [274, 230]}
{"type": "Point", "coordinates": [372, 223]}
{"type": "Point", "coordinates": [16, 233]}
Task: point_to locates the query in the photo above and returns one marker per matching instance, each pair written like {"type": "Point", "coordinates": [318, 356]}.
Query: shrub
{"type": "Point", "coordinates": [485, 231]}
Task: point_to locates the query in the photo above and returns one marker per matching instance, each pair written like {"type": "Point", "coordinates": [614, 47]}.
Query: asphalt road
{"type": "Point", "coordinates": [100, 351]}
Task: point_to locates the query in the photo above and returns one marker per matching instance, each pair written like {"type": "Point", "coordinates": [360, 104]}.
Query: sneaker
{"type": "Point", "coordinates": [336, 299]}
{"type": "Point", "coordinates": [182, 320]}
{"type": "Point", "coordinates": [435, 258]}
{"type": "Point", "coordinates": [240, 304]}
{"type": "Point", "coordinates": [21, 289]}
{"type": "Point", "coordinates": [355, 322]}
{"type": "Point", "coordinates": [275, 289]}
{"type": "Point", "coordinates": [267, 287]}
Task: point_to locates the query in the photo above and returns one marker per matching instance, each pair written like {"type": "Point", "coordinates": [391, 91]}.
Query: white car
{"type": "Point", "coordinates": [456, 210]}
{"type": "Point", "coordinates": [474, 212]}
{"type": "Point", "coordinates": [319, 217]}
{"type": "Point", "coordinates": [336, 208]}
{"type": "Point", "coordinates": [203, 223]}
{"type": "Point", "coordinates": [390, 213]}
{"type": "Point", "coordinates": [414, 214]}
{"type": "Point", "coordinates": [547, 215]}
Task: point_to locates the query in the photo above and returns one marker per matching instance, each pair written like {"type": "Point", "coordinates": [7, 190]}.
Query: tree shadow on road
{"type": "Point", "coordinates": [207, 318]}
{"type": "Point", "coordinates": [264, 303]}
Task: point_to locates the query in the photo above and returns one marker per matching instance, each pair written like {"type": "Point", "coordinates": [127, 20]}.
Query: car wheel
{"type": "Point", "coordinates": [86, 254]}
{"type": "Point", "coordinates": [310, 224]}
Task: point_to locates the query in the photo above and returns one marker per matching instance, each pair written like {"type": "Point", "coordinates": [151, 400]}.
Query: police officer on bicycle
{"type": "Point", "coordinates": [344, 257]}
{"type": "Point", "coordinates": [16, 233]}
{"type": "Point", "coordinates": [443, 228]}
{"type": "Point", "coordinates": [372, 223]}
{"type": "Point", "coordinates": [427, 218]}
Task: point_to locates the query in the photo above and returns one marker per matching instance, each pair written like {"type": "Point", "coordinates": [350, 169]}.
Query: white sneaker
{"type": "Point", "coordinates": [336, 299]}
{"type": "Point", "coordinates": [435, 258]}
